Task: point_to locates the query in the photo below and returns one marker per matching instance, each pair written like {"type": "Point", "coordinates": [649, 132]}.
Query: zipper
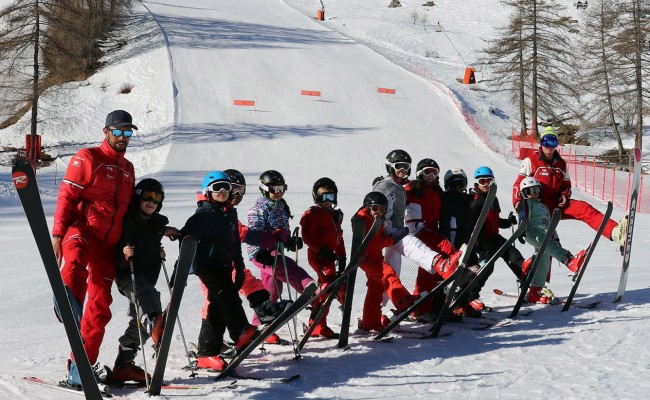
{"type": "Point", "coordinates": [115, 192]}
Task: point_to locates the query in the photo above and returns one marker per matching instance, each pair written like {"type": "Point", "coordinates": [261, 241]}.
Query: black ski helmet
{"type": "Point", "coordinates": [426, 163]}
{"type": "Point", "coordinates": [375, 198]}
{"type": "Point", "coordinates": [455, 179]}
{"type": "Point", "coordinates": [270, 178]}
{"type": "Point", "coordinates": [324, 182]}
{"type": "Point", "coordinates": [397, 156]}
{"type": "Point", "coordinates": [150, 185]}
{"type": "Point", "coordinates": [235, 176]}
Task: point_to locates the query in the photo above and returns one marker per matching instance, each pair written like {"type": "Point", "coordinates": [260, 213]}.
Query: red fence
{"type": "Point", "coordinates": [604, 180]}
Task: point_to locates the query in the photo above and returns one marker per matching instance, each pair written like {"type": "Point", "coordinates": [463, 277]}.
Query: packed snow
{"type": "Point", "coordinates": [187, 63]}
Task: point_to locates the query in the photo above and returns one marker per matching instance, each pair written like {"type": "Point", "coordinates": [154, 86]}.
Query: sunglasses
{"type": "Point", "coordinates": [485, 181]}
{"type": "Point", "coordinates": [549, 141]}
{"type": "Point", "coordinates": [238, 189]}
{"type": "Point", "coordinates": [119, 132]}
{"type": "Point", "coordinates": [378, 208]}
{"type": "Point", "coordinates": [428, 171]}
{"type": "Point", "coordinates": [154, 197]}
{"type": "Point", "coordinates": [221, 186]}
{"type": "Point", "coordinates": [323, 197]}
{"type": "Point", "coordinates": [400, 166]}
{"type": "Point", "coordinates": [277, 189]}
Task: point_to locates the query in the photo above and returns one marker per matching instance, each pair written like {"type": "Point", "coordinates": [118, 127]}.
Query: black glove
{"type": "Point", "coordinates": [327, 254]}
{"type": "Point", "coordinates": [264, 257]}
{"type": "Point", "coordinates": [240, 276]}
{"type": "Point", "coordinates": [399, 234]}
{"type": "Point", "coordinates": [293, 242]}
{"type": "Point", "coordinates": [343, 262]}
{"type": "Point", "coordinates": [512, 219]}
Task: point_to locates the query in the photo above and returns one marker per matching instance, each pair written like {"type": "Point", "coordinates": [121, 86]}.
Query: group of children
{"type": "Point", "coordinates": [421, 221]}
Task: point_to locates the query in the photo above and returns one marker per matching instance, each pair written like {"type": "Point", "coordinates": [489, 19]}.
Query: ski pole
{"type": "Point", "coordinates": [295, 317]}
{"type": "Point", "coordinates": [134, 300]}
{"type": "Point", "coordinates": [180, 327]}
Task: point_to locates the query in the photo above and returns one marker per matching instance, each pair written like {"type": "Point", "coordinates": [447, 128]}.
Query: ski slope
{"type": "Point", "coordinates": [189, 65]}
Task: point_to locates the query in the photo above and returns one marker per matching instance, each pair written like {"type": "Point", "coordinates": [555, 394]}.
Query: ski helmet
{"type": "Point", "coordinates": [483, 172]}
{"type": "Point", "coordinates": [426, 163]}
{"type": "Point", "coordinates": [150, 185]}
{"type": "Point", "coordinates": [324, 183]}
{"type": "Point", "coordinates": [235, 176]}
{"type": "Point", "coordinates": [397, 157]}
{"type": "Point", "coordinates": [271, 178]}
{"type": "Point", "coordinates": [214, 177]}
{"type": "Point", "coordinates": [455, 179]}
{"type": "Point", "coordinates": [375, 198]}
{"type": "Point", "coordinates": [528, 186]}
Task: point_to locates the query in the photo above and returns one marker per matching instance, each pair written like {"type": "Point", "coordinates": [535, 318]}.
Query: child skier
{"type": "Point", "coordinates": [140, 247]}
{"type": "Point", "coordinates": [218, 252]}
{"type": "Point", "coordinates": [271, 214]}
{"type": "Point", "coordinates": [381, 276]}
{"type": "Point", "coordinates": [321, 231]}
{"type": "Point", "coordinates": [539, 218]}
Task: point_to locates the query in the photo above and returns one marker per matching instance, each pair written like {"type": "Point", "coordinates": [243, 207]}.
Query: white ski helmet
{"type": "Point", "coordinates": [529, 185]}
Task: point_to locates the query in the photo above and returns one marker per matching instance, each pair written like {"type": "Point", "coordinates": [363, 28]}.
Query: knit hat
{"type": "Point", "coordinates": [549, 130]}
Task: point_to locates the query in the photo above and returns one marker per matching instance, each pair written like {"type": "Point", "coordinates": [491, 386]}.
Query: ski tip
{"type": "Point", "coordinates": [637, 154]}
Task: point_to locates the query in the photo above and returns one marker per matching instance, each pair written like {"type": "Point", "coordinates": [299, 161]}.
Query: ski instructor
{"type": "Point", "coordinates": [93, 198]}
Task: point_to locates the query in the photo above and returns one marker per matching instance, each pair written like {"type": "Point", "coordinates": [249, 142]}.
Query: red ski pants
{"type": "Point", "coordinates": [89, 268]}
{"type": "Point", "coordinates": [585, 212]}
{"type": "Point", "coordinates": [381, 278]}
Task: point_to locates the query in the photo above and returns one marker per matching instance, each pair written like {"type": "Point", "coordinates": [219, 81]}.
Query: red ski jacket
{"type": "Point", "coordinates": [95, 193]}
{"type": "Point", "coordinates": [552, 174]}
{"type": "Point", "coordinates": [322, 228]}
{"type": "Point", "coordinates": [430, 201]}
{"type": "Point", "coordinates": [374, 250]}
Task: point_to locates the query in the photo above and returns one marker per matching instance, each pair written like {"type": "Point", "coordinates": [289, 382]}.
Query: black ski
{"type": "Point", "coordinates": [478, 226]}
{"type": "Point", "coordinates": [586, 306]}
{"type": "Point", "coordinates": [358, 230]}
{"type": "Point", "coordinates": [25, 181]}
{"type": "Point", "coordinates": [590, 250]}
{"type": "Point", "coordinates": [185, 258]}
{"type": "Point", "coordinates": [555, 219]}
{"type": "Point", "coordinates": [631, 214]}
{"type": "Point", "coordinates": [481, 273]}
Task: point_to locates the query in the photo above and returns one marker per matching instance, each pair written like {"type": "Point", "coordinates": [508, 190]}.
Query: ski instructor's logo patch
{"type": "Point", "coordinates": [20, 179]}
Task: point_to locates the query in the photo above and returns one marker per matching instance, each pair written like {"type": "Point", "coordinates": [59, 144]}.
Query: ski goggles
{"type": "Point", "coordinates": [529, 191]}
{"type": "Point", "coordinates": [154, 197]}
{"type": "Point", "coordinates": [122, 132]}
{"type": "Point", "coordinates": [378, 208]}
{"type": "Point", "coordinates": [485, 181]}
{"type": "Point", "coordinates": [220, 186]}
{"type": "Point", "coordinates": [274, 189]}
{"type": "Point", "coordinates": [429, 171]}
{"type": "Point", "coordinates": [238, 189]}
{"type": "Point", "coordinates": [550, 141]}
{"type": "Point", "coordinates": [328, 196]}
{"type": "Point", "coordinates": [399, 166]}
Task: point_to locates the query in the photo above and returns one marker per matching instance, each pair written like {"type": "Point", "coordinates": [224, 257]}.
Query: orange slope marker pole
{"type": "Point", "coordinates": [246, 103]}
{"type": "Point", "coordinates": [313, 93]}
{"type": "Point", "coordinates": [385, 90]}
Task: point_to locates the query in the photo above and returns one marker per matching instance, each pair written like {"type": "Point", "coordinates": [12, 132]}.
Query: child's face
{"type": "Point", "coordinates": [377, 211]}
{"type": "Point", "coordinates": [325, 204]}
{"type": "Point", "coordinates": [220, 196]}
{"type": "Point", "coordinates": [148, 207]}
{"type": "Point", "coordinates": [276, 196]}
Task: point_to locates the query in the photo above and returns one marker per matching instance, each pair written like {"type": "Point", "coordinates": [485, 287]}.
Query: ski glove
{"type": "Point", "coordinates": [399, 234]}
{"type": "Point", "coordinates": [327, 254]}
{"type": "Point", "coordinates": [264, 257]}
{"type": "Point", "coordinates": [343, 262]}
{"type": "Point", "coordinates": [293, 242]}
{"type": "Point", "coordinates": [512, 219]}
{"type": "Point", "coordinates": [240, 276]}
{"type": "Point", "coordinates": [282, 235]}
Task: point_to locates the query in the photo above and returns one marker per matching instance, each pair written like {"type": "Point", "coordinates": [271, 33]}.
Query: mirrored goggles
{"type": "Point", "coordinates": [400, 166]}
{"type": "Point", "coordinates": [549, 141]}
{"type": "Point", "coordinates": [153, 197]}
{"type": "Point", "coordinates": [378, 208]}
{"type": "Point", "coordinates": [119, 132]}
{"type": "Point", "coordinates": [221, 186]}
{"type": "Point", "coordinates": [238, 189]}
{"type": "Point", "coordinates": [273, 189]}
{"type": "Point", "coordinates": [429, 171]}
{"type": "Point", "coordinates": [323, 197]}
{"type": "Point", "coordinates": [532, 190]}
{"type": "Point", "coordinates": [485, 181]}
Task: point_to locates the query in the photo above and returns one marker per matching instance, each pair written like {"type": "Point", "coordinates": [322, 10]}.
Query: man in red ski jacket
{"type": "Point", "coordinates": [551, 171]}
{"type": "Point", "coordinates": [93, 198]}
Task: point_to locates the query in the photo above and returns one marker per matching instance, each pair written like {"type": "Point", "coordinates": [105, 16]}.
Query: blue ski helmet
{"type": "Point", "coordinates": [483, 172]}
{"type": "Point", "coordinates": [212, 177]}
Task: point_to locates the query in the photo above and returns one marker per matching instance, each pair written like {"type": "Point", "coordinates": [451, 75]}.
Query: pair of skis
{"type": "Point", "coordinates": [307, 297]}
